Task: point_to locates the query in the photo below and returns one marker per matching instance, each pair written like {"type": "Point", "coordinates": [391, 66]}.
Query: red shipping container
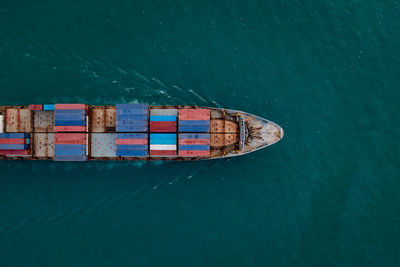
{"type": "Point", "coordinates": [15, 152]}
{"type": "Point", "coordinates": [162, 152]}
{"type": "Point", "coordinates": [194, 117]}
{"type": "Point", "coordinates": [194, 141]}
{"type": "Point", "coordinates": [35, 107]}
{"type": "Point", "coordinates": [163, 126]}
{"type": "Point", "coordinates": [70, 138]}
{"type": "Point", "coordinates": [70, 106]}
{"type": "Point", "coordinates": [131, 142]}
{"type": "Point", "coordinates": [13, 141]}
{"type": "Point", "coordinates": [70, 128]}
{"type": "Point", "coordinates": [194, 153]}
{"type": "Point", "coordinates": [197, 112]}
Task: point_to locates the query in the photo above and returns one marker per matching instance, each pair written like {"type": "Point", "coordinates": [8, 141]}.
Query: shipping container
{"type": "Point", "coordinates": [70, 158]}
{"type": "Point", "coordinates": [194, 117]}
{"type": "Point", "coordinates": [70, 128]}
{"type": "Point", "coordinates": [43, 144]}
{"type": "Point", "coordinates": [163, 126]}
{"type": "Point", "coordinates": [131, 147]}
{"type": "Point", "coordinates": [14, 135]}
{"type": "Point", "coordinates": [194, 141]}
{"type": "Point", "coordinates": [48, 107]}
{"type": "Point", "coordinates": [35, 107]}
{"type": "Point", "coordinates": [194, 128]}
{"type": "Point", "coordinates": [164, 112]}
{"type": "Point", "coordinates": [64, 147]}
{"type": "Point", "coordinates": [14, 152]}
{"type": "Point", "coordinates": [131, 141]}
{"type": "Point", "coordinates": [70, 117]}
{"type": "Point", "coordinates": [132, 136]}
{"type": "Point", "coordinates": [43, 121]}
{"type": "Point", "coordinates": [132, 106]}
{"type": "Point", "coordinates": [18, 120]}
{"type": "Point", "coordinates": [131, 129]}
{"type": "Point", "coordinates": [194, 153]}
{"type": "Point", "coordinates": [70, 138]}
{"type": "Point", "coordinates": [103, 145]}
{"type": "Point", "coordinates": [163, 118]}
{"type": "Point", "coordinates": [159, 153]}
{"type": "Point", "coordinates": [194, 123]}
{"type": "Point", "coordinates": [132, 153]}
{"type": "Point", "coordinates": [162, 141]}
{"type": "Point", "coordinates": [1, 124]}
{"type": "Point", "coordinates": [14, 146]}
{"type": "Point", "coordinates": [70, 106]}
{"type": "Point", "coordinates": [15, 141]}
{"type": "Point", "coordinates": [163, 147]}
{"type": "Point", "coordinates": [70, 123]}
{"type": "Point", "coordinates": [131, 117]}
{"type": "Point", "coordinates": [197, 111]}
{"type": "Point", "coordinates": [70, 111]}
{"type": "Point", "coordinates": [132, 123]}
{"type": "Point", "coordinates": [194, 147]}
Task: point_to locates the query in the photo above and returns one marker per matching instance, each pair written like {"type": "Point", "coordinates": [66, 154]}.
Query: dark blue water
{"type": "Point", "coordinates": [327, 71]}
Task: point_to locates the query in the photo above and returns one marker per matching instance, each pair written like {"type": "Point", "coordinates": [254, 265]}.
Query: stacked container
{"type": "Point", "coordinates": [70, 117]}
{"type": "Point", "coordinates": [163, 120]}
{"type": "Point", "coordinates": [194, 120]}
{"type": "Point", "coordinates": [70, 147]}
{"type": "Point", "coordinates": [132, 144]}
{"type": "Point", "coordinates": [162, 145]}
{"type": "Point", "coordinates": [132, 118]}
{"type": "Point", "coordinates": [14, 144]}
{"type": "Point", "coordinates": [194, 145]}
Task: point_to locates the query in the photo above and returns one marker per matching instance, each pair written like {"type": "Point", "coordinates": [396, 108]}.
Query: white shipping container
{"type": "Point", "coordinates": [162, 147]}
{"type": "Point", "coordinates": [164, 112]}
{"type": "Point", "coordinates": [1, 124]}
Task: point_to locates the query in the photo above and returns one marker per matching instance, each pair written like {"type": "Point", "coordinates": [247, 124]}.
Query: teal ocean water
{"type": "Point", "coordinates": [327, 71]}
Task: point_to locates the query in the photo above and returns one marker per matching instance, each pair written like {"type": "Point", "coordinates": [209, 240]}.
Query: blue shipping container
{"type": "Point", "coordinates": [70, 111]}
{"type": "Point", "coordinates": [162, 118]}
{"type": "Point", "coordinates": [131, 123]}
{"type": "Point", "coordinates": [160, 135]}
{"type": "Point", "coordinates": [132, 117]}
{"type": "Point", "coordinates": [132, 147]}
{"type": "Point", "coordinates": [132, 106]}
{"type": "Point", "coordinates": [194, 123]}
{"type": "Point", "coordinates": [185, 128]}
{"type": "Point", "coordinates": [194, 147]}
{"type": "Point", "coordinates": [48, 107]}
{"type": "Point", "coordinates": [132, 153]}
{"type": "Point", "coordinates": [162, 141]}
{"type": "Point", "coordinates": [14, 135]}
{"type": "Point", "coordinates": [194, 136]}
{"type": "Point", "coordinates": [70, 123]}
{"type": "Point", "coordinates": [14, 146]}
{"type": "Point", "coordinates": [131, 129]}
{"type": "Point", "coordinates": [132, 136]}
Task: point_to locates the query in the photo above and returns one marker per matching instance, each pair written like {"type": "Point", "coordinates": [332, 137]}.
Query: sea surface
{"type": "Point", "coordinates": [327, 71]}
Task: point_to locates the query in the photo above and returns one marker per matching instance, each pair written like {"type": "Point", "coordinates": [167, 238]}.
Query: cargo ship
{"type": "Point", "coordinates": [81, 132]}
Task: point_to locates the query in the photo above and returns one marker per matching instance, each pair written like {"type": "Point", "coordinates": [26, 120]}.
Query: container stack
{"type": "Point", "coordinates": [132, 118]}
{"type": "Point", "coordinates": [132, 144]}
{"type": "Point", "coordinates": [70, 147]}
{"type": "Point", "coordinates": [194, 120]}
{"type": "Point", "coordinates": [162, 145]}
{"type": "Point", "coordinates": [194, 145]}
{"type": "Point", "coordinates": [70, 117]}
{"type": "Point", "coordinates": [16, 144]}
{"type": "Point", "coordinates": [163, 120]}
